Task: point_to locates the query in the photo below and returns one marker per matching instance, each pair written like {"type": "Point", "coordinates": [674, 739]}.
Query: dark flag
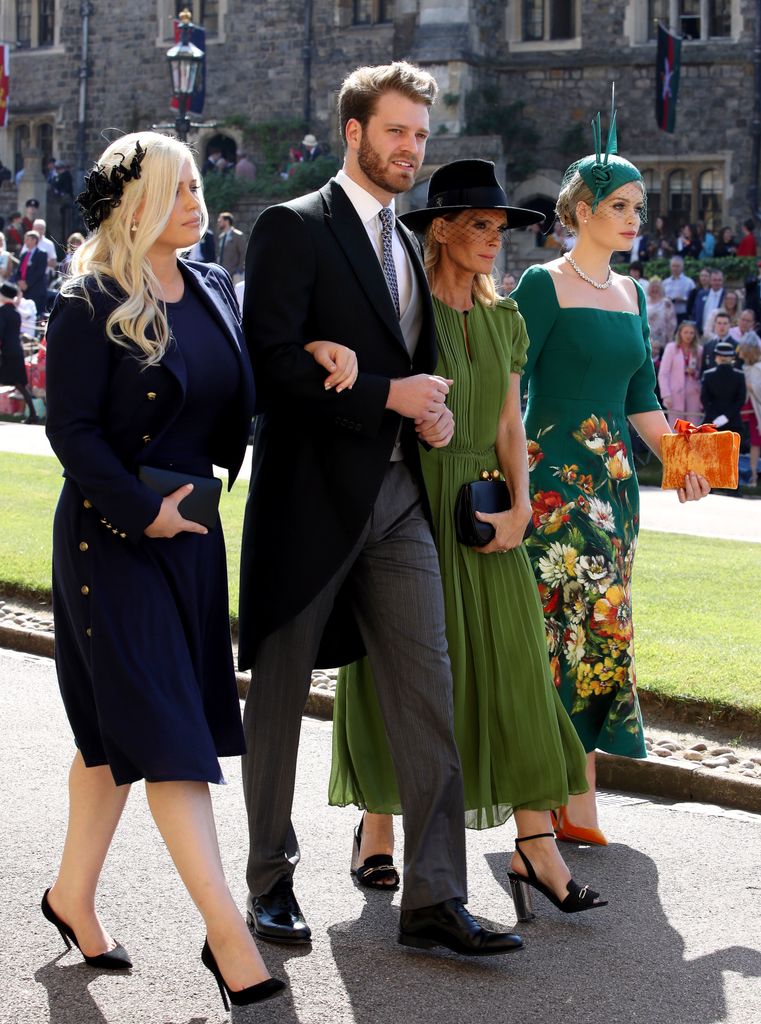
{"type": "Point", "coordinates": [667, 62]}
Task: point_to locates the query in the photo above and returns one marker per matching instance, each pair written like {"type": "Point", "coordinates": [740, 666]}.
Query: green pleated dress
{"type": "Point", "coordinates": [517, 745]}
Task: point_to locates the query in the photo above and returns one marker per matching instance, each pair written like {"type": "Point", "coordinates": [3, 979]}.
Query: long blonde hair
{"type": "Point", "coordinates": [117, 250]}
{"type": "Point", "coordinates": [484, 289]}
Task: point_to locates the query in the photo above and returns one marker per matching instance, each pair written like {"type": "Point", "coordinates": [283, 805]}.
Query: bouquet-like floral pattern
{"type": "Point", "coordinates": [582, 550]}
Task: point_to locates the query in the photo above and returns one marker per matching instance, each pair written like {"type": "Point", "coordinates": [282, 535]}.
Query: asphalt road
{"type": "Point", "coordinates": [679, 944]}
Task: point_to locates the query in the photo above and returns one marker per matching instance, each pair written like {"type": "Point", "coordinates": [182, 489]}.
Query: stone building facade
{"type": "Point", "coordinates": [526, 75]}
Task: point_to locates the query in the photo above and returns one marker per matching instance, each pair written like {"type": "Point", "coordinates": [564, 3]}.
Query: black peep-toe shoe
{"type": "Point", "coordinates": [377, 871]}
{"type": "Point", "coordinates": [116, 959]}
{"type": "Point", "coordinates": [579, 897]}
{"type": "Point", "coordinates": [246, 996]}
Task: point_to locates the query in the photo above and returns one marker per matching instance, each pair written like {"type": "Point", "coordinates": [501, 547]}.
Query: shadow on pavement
{"type": "Point", "coordinates": [626, 962]}
{"type": "Point", "coordinates": [69, 998]}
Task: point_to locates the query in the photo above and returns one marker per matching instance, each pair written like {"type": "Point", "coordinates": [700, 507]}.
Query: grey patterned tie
{"type": "Point", "coordinates": [387, 232]}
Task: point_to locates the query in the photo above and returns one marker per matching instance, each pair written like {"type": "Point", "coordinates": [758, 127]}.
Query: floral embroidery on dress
{"type": "Point", "coordinates": [584, 571]}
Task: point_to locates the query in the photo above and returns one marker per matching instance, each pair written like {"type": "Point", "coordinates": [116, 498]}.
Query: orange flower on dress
{"type": "Point", "coordinates": [549, 512]}
{"type": "Point", "coordinates": [557, 674]}
{"type": "Point", "coordinates": [618, 467]}
{"type": "Point", "coordinates": [535, 454]}
{"type": "Point", "coordinates": [612, 615]}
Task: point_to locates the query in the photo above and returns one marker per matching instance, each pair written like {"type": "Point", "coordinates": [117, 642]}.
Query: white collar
{"type": "Point", "coordinates": [367, 206]}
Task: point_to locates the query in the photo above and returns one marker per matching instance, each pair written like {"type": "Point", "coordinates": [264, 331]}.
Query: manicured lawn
{"type": "Point", "coordinates": [697, 613]}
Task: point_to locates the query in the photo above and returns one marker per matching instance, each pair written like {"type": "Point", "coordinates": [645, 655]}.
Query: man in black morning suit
{"type": "Point", "coordinates": [337, 554]}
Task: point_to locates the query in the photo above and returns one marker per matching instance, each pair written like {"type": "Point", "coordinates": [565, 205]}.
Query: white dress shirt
{"type": "Point", "coordinates": [368, 208]}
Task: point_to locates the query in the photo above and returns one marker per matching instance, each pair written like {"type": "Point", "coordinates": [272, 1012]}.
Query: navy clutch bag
{"type": "Point", "coordinates": [489, 494]}
{"type": "Point", "coordinates": [200, 506]}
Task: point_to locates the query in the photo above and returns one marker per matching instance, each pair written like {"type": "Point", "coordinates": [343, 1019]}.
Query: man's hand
{"type": "Point", "coordinates": [421, 397]}
{"type": "Point", "coordinates": [436, 432]}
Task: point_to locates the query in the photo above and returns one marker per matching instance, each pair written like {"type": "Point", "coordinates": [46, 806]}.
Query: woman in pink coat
{"type": "Point", "coordinates": [679, 375]}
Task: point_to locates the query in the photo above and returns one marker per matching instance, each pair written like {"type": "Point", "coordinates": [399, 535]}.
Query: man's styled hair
{"type": "Point", "coordinates": [362, 89]}
{"type": "Point", "coordinates": [228, 217]}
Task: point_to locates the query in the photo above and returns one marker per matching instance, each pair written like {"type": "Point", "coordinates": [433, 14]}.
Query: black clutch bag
{"type": "Point", "coordinates": [200, 506]}
{"type": "Point", "coordinates": [489, 494]}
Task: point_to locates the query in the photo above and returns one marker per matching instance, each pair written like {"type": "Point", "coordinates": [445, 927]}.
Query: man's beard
{"type": "Point", "coordinates": [372, 167]}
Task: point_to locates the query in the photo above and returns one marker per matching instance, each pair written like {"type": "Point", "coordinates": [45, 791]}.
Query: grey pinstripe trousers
{"type": "Point", "coordinates": [393, 573]}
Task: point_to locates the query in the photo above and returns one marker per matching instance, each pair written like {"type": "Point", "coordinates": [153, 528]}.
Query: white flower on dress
{"type": "Point", "coordinates": [594, 573]}
{"type": "Point", "coordinates": [601, 514]}
{"type": "Point", "coordinates": [574, 639]}
{"type": "Point", "coordinates": [559, 564]}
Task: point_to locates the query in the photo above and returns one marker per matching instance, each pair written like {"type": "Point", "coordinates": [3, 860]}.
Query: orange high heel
{"type": "Point", "coordinates": [570, 833]}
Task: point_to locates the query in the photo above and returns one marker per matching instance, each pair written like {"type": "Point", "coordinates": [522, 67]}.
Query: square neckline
{"type": "Point", "coordinates": [594, 309]}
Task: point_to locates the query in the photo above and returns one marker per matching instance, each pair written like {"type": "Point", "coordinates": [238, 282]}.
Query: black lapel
{"type": "Point", "coordinates": [342, 219]}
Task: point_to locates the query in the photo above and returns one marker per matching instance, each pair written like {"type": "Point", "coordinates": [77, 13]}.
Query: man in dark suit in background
{"type": "Point", "coordinates": [338, 555]}
{"type": "Point", "coordinates": [231, 247]}
{"type": "Point", "coordinates": [31, 273]}
{"type": "Point", "coordinates": [723, 391]}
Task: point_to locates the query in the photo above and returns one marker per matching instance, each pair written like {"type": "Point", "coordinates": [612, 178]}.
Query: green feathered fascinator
{"type": "Point", "coordinates": [604, 172]}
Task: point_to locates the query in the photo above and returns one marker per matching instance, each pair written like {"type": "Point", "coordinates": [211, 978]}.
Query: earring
{"type": "Point", "coordinates": [133, 226]}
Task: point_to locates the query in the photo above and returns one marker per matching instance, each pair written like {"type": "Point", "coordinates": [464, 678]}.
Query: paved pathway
{"type": "Point", "coordinates": [716, 516]}
{"type": "Point", "coordinates": [679, 943]}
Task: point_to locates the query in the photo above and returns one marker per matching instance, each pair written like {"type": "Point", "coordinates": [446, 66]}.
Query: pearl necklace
{"type": "Point", "coordinates": [585, 277]}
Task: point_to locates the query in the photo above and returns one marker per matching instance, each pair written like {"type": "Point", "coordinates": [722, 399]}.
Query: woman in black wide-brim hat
{"type": "Point", "coordinates": [519, 752]}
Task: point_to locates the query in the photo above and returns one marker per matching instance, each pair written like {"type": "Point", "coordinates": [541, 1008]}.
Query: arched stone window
{"type": "Point", "coordinates": [680, 199]}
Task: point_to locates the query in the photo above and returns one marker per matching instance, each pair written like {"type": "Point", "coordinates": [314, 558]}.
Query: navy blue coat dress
{"type": "Point", "coordinates": [142, 627]}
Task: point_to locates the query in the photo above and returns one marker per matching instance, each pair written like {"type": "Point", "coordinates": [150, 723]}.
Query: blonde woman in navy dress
{"type": "Point", "coordinates": [146, 366]}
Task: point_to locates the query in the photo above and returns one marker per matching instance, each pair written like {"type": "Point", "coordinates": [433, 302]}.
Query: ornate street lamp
{"type": "Point", "coordinates": [184, 60]}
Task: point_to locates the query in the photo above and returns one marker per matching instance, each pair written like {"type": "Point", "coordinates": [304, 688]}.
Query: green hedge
{"type": "Point", "coordinates": [736, 268]}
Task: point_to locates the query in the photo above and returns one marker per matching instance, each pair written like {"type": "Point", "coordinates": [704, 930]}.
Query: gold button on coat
{"type": "Point", "coordinates": [151, 396]}
{"type": "Point", "coordinates": [83, 545]}
{"type": "Point", "coordinates": [87, 504]}
{"type": "Point", "coordinates": [88, 631]}
{"type": "Point", "coordinates": [85, 590]}
{"type": "Point", "coordinates": [146, 438]}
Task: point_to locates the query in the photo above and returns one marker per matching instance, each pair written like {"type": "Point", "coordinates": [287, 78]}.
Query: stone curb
{"type": "Point", "coordinates": [668, 778]}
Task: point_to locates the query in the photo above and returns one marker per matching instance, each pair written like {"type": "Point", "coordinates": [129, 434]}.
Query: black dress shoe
{"type": "Point", "coordinates": [450, 924]}
{"type": "Point", "coordinates": [276, 915]}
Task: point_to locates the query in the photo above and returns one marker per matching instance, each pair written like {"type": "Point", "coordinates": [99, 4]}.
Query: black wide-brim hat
{"type": "Point", "coordinates": [467, 185]}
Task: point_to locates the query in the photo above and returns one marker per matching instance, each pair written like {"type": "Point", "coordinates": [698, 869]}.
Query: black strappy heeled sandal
{"type": "Point", "coordinates": [377, 871]}
{"type": "Point", "coordinates": [579, 897]}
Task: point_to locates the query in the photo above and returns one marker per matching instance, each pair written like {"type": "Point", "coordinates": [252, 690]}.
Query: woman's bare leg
{"type": "Point", "coordinates": [184, 816]}
{"type": "Point", "coordinates": [544, 855]}
{"type": "Point", "coordinates": [95, 806]}
{"type": "Point", "coordinates": [582, 807]}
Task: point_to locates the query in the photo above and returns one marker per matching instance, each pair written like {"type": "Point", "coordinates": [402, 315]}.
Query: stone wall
{"type": "Point", "coordinates": [257, 73]}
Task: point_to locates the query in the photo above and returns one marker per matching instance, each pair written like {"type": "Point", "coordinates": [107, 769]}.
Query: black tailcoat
{"type": "Point", "coordinates": [319, 457]}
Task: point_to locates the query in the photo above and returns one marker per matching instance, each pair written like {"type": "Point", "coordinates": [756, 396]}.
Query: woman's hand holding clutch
{"type": "Point", "coordinates": [169, 522]}
{"type": "Point", "coordinates": [510, 528]}
{"type": "Point", "coordinates": [695, 488]}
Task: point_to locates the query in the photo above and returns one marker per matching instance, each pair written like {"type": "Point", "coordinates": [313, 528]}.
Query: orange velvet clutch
{"type": "Point", "coordinates": [704, 450]}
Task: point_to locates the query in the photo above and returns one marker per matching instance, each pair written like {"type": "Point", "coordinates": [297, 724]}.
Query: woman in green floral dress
{"type": "Point", "coordinates": [590, 370]}
{"type": "Point", "coordinates": [518, 750]}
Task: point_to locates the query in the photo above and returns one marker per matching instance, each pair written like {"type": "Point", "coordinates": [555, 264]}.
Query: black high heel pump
{"type": "Point", "coordinates": [246, 996]}
{"type": "Point", "coordinates": [116, 959]}
{"type": "Point", "coordinates": [579, 898]}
